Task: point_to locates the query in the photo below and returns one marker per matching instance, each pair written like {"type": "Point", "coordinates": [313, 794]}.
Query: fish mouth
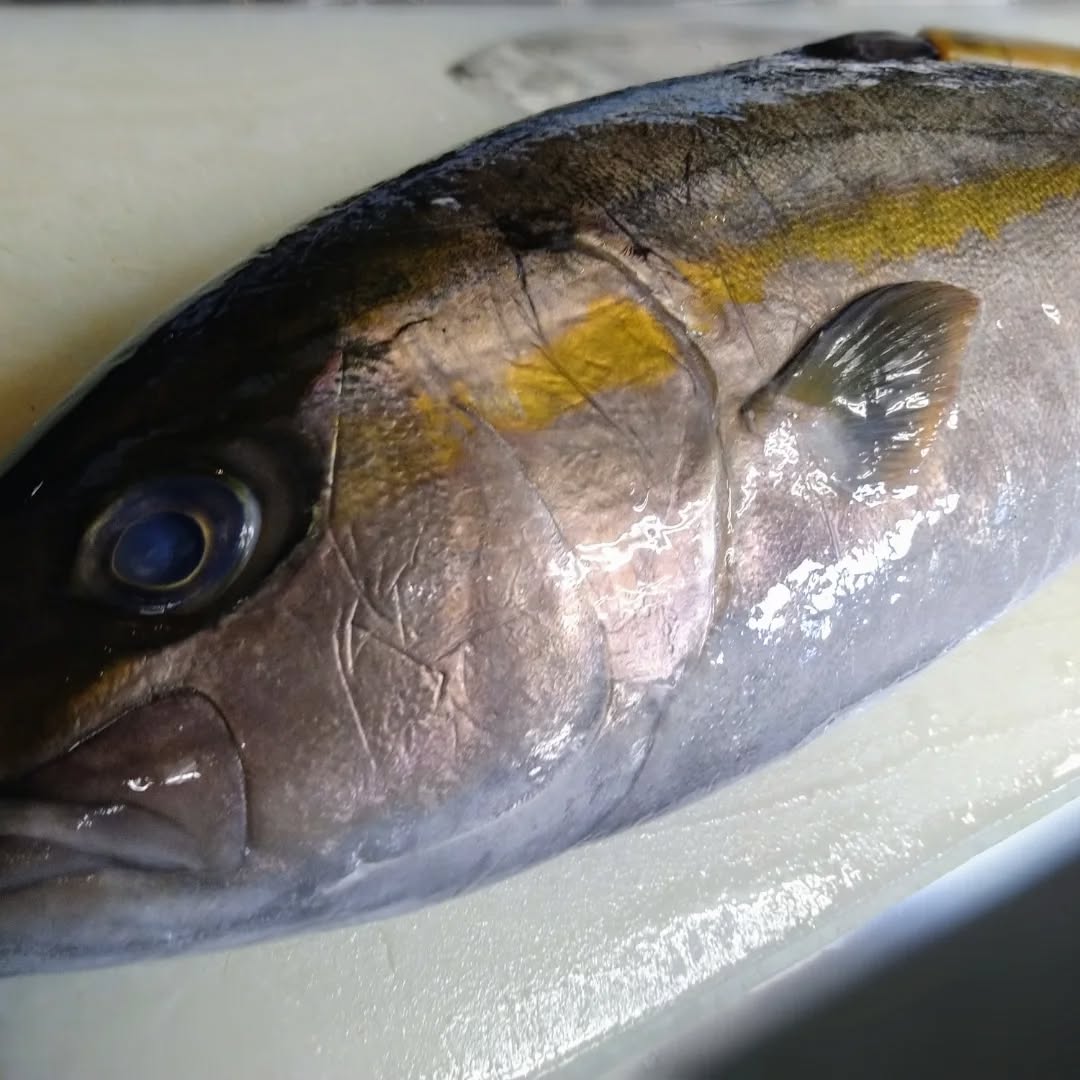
{"type": "Point", "coordinates": [160, 788]}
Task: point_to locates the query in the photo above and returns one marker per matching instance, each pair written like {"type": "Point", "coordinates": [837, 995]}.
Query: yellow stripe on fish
{"type": "Point", "coordinates": [619, 345]}
{"type": "Point", "coordinates": [379, 457]}
{"type": "Point", "coordinates": [1012, 52]}
{"type": "Point", "coordinates": [883, 228]}
{"type": "Point", "coordinates": [616, 345]}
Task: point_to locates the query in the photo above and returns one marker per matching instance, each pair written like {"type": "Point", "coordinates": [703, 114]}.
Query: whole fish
{"type": "Point", "coordinates": [534, 492]}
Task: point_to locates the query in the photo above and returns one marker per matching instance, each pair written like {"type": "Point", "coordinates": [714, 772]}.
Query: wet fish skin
{"type": "Point", "coordinates": [525, 575]}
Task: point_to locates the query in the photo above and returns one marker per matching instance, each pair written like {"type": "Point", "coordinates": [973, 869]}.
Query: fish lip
{"type": "Point", "coordinates": [160, 787]}
{"type": "Point", "coordinates": [97, 836]}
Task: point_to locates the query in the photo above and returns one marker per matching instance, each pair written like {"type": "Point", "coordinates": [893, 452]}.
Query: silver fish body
{"type": "Point", "coordinates": [533, 493]}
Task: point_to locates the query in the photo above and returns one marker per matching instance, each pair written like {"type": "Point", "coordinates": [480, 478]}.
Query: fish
{"type": "Point", "coordinates": [533, 493]}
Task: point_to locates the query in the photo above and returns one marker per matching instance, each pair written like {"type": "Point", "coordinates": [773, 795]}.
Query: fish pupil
{"type": "Point", "coordinates": [160, 551]}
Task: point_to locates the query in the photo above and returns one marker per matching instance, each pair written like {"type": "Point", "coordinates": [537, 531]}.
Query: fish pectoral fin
{"type": "Point", "coordinates": [866, 395]}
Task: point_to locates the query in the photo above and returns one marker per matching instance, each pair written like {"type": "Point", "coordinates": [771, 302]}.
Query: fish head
{"type": "Point", "coordinates": [277, 626]}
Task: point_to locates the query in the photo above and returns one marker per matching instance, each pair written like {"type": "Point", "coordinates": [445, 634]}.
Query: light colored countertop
{"type": "Point", "coordinates": [143, 152]}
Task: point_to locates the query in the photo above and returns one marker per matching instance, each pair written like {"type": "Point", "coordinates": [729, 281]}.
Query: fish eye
{"type": "Point", "coordinates": [169, 545]}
